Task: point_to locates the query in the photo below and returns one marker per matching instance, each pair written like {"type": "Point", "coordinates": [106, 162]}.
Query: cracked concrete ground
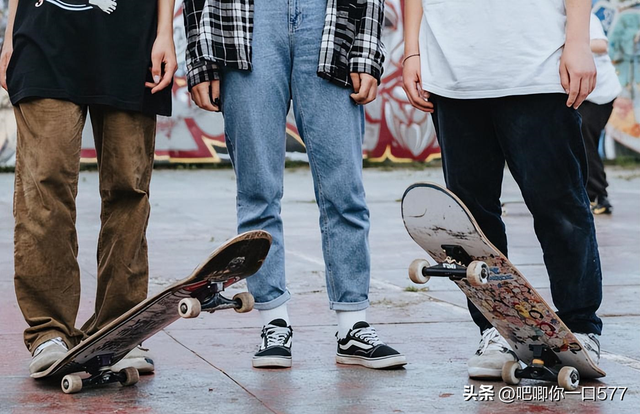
{"type": "Point", "coordinates": [204, 366]}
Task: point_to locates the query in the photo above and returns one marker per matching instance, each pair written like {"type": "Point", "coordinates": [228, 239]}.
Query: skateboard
{"type": "Point", "coordinates": [235, 260]}
{"type": "Point", "coordinates": [440, 223]}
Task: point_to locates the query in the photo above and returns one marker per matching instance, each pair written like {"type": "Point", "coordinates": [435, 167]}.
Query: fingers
{"type": "Point", "coordinates": [367, 92]}
{"type": "Point", "coordinates": [574, 90]}
{"type": "Point", "coordinates": [3, 77]}
{"type": "Point", "coordinates": [585, 89]}
{"type": "Point", "coordinates": [214, 94]}
{"type": "Point", "coordinates": [204, 93]}
{"type": "Point", "coordinates": [361, 88]}
{"type": "Point", "coordinates": [4, 64]}
{"type": "Point", "coordinates": [170, 67]}
{"type": "Point", "coordinates": [417, 97]}
{"type": "Point", "coordinates": [156, 67]}
{"type": "Point", "coordinates": [355, 80]}
{"type": "Point", "coordinates": [564, 78]}
{"type": "Point", "coordinates": [373, 92]}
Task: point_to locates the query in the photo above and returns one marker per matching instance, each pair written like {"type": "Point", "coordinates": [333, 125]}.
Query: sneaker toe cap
{"type": "Point", "coordinates": [274, 351]}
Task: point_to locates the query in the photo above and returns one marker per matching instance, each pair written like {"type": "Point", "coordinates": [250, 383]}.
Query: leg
{"type": "Point", "coordinates": [255, 106]}
{"type": "Point", "coordinates": [332, 127]}
{"type": "Point", "coordinates": [47, 276]}
{"type": "Point", "coordinates": [594, 119]}
{"type": "Point", "coordinates": [473, 166]}
{"type": "Point", "coordinates": [125, 147]}
{"type": "Point", "coordinates": [544, 149]}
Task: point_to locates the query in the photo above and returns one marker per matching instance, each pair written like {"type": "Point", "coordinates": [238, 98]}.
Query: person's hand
{"type": "Point", "coordinates": [412, 85]}
{"type": "Point", "coordinates": [163, 61]}
{"type": "Point", "coordinates": [577, 73]}
{"type": "Point", "coordinates": [207, 95]}
{"type": "Point", "coordinates": [5, 57]}
{"type": "Point", "coordinates": [365, 88]}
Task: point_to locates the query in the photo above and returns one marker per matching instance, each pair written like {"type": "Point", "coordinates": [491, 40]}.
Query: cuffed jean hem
{"type": "Point", "coordinates": [349, 306]}
{"type": "Point", "coordinates": [584, 327]}
{"type": "Point", "coordinates": [272, 304]}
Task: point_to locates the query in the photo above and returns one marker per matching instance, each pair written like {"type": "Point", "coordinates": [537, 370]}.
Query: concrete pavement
{"type": "Point", "coordinates": [203, 365]}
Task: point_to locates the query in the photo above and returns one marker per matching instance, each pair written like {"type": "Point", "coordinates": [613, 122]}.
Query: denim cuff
{"type": "Point", "coordinates": [272, 304]}
{"type": "Point", "coordinates": [349, 306]}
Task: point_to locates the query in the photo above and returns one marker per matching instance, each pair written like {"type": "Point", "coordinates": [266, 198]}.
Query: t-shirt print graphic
{"type": "Point", "coordinates": [107, 6]}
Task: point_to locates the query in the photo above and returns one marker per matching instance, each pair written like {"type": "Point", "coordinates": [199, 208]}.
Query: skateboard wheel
{"type": "Point", "coordinates": [71, 384]}
{"type": "Point", "coordinates": [245, 302]}
{"type": "Point", "coordinates": [509, 373]}
{"type": "Point", "coordinates": [568, 378]}
{"type": "Point", "coordinates": [189, 308]}
{"type": "Point", "coordinates": [131, 376]}
{"type": "Point", "coordinates": [415, 271]}
{"type": "Point", "coordinates": [477, 273]}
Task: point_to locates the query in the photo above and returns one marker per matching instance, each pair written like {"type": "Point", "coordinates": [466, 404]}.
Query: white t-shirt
{"type": "Point", "coordinates": [607, 86]}
{"type": "Point", "coordinates": [491, 48]}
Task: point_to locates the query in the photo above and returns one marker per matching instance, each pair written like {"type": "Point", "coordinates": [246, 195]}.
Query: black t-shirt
{"type": "Point", "coordinates": [87, 52]}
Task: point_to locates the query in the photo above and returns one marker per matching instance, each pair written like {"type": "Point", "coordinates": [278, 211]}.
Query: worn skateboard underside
{"type": "Point", "coordinates": [237, 259]}
{"type": "Point", "coordinates": [434, 217]}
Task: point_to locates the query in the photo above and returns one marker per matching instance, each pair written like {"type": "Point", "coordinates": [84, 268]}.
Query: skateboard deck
{"type": "Point", "coordinates": [440, 223]}
{"type": "Point", "coordinates": [235, 260]}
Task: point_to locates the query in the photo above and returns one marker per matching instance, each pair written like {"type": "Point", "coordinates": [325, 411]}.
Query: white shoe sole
{"type": "Point", "coordinates": [377, 363]}
{"type": "Point", "coordinates": [141, 364]}
{"type": "Point", "coordinates": [271, 362]}
{"type": "Point", "coordinates": [485, 373]}
{"type": "Point", "coordinates": [44, 361]}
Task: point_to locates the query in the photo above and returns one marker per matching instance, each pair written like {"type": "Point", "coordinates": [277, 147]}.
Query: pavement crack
{"type": "Point", "coordinates": [223, 372]}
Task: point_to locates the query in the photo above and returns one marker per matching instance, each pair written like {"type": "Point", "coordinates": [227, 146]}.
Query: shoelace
{"type": "Point", "coordinates": [275, 335]}
{"type": "Point", "coordinates": [368, 335]}
{"type": "Point", "coordinates": [490, 336]}
{"type": "Point", "coordinates": [46, 344]}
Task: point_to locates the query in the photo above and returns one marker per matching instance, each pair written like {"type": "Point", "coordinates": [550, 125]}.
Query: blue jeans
{"type": "Point", "coordinates": [286, 49]}
{"type": "Point", "coordinates": [541, 142]}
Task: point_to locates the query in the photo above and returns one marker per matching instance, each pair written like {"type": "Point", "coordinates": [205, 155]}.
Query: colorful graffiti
{"type": "Point", "coordinates": [395, 130]}
{"type": "Point", "coordinates": [621, 20]}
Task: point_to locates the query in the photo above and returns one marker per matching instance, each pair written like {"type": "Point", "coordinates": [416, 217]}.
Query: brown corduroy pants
{"type": "Point", "coordinates": [47, 275]}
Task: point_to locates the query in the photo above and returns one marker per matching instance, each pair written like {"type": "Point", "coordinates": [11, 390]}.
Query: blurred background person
{"type": "Point", "coordinates": [595, 112]}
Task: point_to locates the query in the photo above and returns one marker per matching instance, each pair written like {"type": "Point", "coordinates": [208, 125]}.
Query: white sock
{"type": "Point", "coordinates": [276, 313]}
{"type": "Point", "coordinates": [346, 320]}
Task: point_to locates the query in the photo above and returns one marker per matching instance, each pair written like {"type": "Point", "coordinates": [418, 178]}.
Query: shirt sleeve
{"type": "Point", "coordinates": [200, 66]}
{"type": "Point", "coordinates": [368, 53]}
{"type": "Point", "coordinates": [595, 28]}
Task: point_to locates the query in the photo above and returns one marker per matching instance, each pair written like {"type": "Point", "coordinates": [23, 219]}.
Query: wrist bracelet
{"type": "Point", "coordinates": [410, 56]}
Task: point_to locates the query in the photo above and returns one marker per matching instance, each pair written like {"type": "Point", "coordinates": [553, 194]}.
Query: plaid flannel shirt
{"type": "Point", "coordinates": [219, 32]}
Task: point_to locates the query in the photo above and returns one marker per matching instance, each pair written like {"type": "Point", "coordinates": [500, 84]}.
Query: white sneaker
{"type": "Point", "coordinates": [47, 354]}
{"type": "Point", "coordinates": [138, 358]}
{"type": "Point", "coordinates": [493, 352]}
{"type": "Point", "coordinates": [591, 344]}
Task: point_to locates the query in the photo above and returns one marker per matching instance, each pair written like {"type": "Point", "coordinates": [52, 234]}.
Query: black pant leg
{"type": "Point", "coordinates": [542, 142]}
{"type": "Point", "coordinates": [473, 167]}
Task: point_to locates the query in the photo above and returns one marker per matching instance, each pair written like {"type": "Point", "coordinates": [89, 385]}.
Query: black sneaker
{"type": "Point", "coordinates": [275, 349]}
{"type": "Point", "coordinates": [362, 346]}
{"type": "Point", "coordinates": [601, 205]}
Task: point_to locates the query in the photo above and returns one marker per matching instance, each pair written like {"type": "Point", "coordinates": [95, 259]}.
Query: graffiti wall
{"type": "Point", "coordinates": [621, 20]}
{"type": "Point", "coordinates": [395, 131]}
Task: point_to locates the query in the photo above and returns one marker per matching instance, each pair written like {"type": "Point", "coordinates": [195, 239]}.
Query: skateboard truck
{"type": "Point", "coordinates": [99, 373]}
{"type": "Point", "coordinates": [209, 299]}
{"type": "Point", "coordinates": [543, 367]}
{"type": "Point", "coordinates": [457, 266]}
